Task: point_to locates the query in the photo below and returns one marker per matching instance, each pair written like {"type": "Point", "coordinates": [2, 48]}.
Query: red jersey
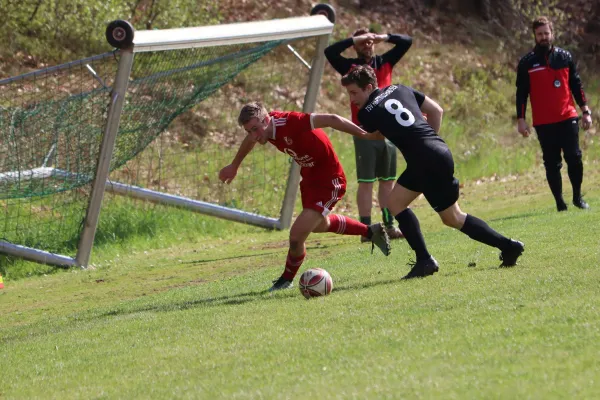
{"type": "Point", "coordinates": [294, 135]}
{"type": "Point", "coordinates": [551, 80]}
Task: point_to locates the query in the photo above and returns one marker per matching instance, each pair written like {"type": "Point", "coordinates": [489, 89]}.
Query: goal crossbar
{"type": "Point", "coordinates": [228, 34]}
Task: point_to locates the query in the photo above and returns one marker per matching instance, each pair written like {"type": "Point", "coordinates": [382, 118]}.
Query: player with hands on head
{"type": "Point", "coordinates": [323, 184]}
{"type": "Point", "coordinates": [396, 113]}
{"type": "Point", "coordinates": [375, 160]}
{"type": "Point", "coordinates": [548, 76]}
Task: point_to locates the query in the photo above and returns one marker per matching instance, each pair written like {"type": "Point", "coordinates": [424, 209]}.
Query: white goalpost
{"type": "Point", "coordinates": [119, 138]}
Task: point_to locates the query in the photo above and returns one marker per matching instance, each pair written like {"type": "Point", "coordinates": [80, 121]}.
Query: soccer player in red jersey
{"type": "Point", "coordinates": [323, 180]}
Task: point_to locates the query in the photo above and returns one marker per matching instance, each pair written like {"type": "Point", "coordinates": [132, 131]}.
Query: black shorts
{"type": "Point", "coordinates": [375, 160]}
{"type": "Point", "coordinates": [434, 177]}
{"type": "Point", "coordinates": [559, 136]}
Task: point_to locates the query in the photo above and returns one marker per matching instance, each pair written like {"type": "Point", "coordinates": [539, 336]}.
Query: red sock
{"type": "Point", "coordinates": [346, 226]}
{"type": "Point", "coordinates": [292, 265]}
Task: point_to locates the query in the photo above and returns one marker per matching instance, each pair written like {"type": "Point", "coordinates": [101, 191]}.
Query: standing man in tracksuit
{"type": "Point", "coordinates": [549, 76]}
{"type": "Point", "coordinates": [375, 159]}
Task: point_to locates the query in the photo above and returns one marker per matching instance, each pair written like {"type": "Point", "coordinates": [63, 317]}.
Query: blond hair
{"type": "Point", "coordinates": [252, 110]}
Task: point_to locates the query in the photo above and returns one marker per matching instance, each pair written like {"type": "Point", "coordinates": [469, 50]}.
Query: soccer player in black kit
{"type": "Point", "coordinates": [395, 112]}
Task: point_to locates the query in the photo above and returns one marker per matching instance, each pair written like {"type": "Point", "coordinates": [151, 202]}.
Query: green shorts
{"type": "Point", "coordinates": [375, 160]}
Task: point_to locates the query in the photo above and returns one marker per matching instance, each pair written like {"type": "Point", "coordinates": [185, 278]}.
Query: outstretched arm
{"type": "Point", "coordinates": [229, 172]}
{"type": "Point", "coordinates": [434, 113]}
{"type": "Point", "coordinates": [341, 124]}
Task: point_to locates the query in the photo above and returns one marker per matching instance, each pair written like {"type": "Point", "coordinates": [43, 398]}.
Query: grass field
{"type": "Point", "coordinates": [192, 320]}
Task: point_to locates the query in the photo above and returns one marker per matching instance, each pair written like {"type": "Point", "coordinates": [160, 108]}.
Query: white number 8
{"type": "Point", "coordinates": [397, 112]}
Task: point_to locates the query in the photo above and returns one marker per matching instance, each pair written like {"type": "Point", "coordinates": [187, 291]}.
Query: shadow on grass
{"type": "Point", "coordinates": [235, 299]}
{"type": "Point", "coordinates": [230, 258]}
{"type": "Point", "coordinates": [311, 246]}
{"type": "Point", "coordinates": [265, 295]}
{"type": "Point", "coordinates": [279, 252]}
{"type": "Point", "coordinates": [516, 216]}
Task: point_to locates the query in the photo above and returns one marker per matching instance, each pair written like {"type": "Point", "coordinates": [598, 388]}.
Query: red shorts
{"type": "Point", "coordinates": [322, 195]}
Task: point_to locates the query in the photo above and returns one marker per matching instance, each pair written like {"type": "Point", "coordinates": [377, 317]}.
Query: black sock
{"type": "Point", "coordinates": [410, 227]}
{"type": "Point", "coordinates": [478, 230]}
{"type": "Point", "coordinates": [388, 220]}
{"type": "Point", "coordinates": [555, 182]}
{"type": "Point", "coordinates": [575, 171]}
{"type": "Point", "coordinates": [365, 220]}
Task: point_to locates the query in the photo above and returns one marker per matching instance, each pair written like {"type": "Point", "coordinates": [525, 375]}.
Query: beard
{"type": "Point", "coordinates": [544, 44]}
{"type": "Point", "coordinates": [366, 55]}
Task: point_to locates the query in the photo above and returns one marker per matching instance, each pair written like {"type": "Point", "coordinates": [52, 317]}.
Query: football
{"type": "Point", "coordinates": [315, 282]}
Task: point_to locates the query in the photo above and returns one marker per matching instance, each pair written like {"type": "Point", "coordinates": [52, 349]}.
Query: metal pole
{"type": "Point", "coordinates": [118, 93]}
{"type": "Point", "coordinates": [36, 255]}
{"type": "Point", "coordinates": [190, 204]}
{"type": "Point", "coordinates": [310, 101]}
{"type": "Point", "coordinates": [299, 57]}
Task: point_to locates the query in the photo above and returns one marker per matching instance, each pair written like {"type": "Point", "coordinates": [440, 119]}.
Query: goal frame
{"type": "Point", "coordinates": [316, 26]}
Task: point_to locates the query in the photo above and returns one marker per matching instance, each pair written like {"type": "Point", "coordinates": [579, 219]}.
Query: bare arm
{"type": "Point", "coordinates": [230, 171]}
{"type": "Point", "coordinates": [338, 123]}
{"type": "Point", "coordinates": [245, 148]}
{"type": "Point", "coordinates": [434, 113]}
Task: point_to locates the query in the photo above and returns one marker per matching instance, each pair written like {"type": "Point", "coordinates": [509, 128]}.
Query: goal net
{"type": "Point", "coordinates": [155, 121]}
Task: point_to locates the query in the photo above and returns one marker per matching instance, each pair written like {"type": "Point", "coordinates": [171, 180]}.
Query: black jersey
{"type": "Point", "coordinates": [395, 111]}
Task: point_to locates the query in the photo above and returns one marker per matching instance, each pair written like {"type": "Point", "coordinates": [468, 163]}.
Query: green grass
{"type": "Point", "coordinates": [191, 320]}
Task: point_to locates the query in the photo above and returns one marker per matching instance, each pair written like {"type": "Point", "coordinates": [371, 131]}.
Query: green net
{"type": "Point", "coordinates": [185, 158]}
{"type": "Point", "coordinates": [51, 124]}
{"type": "Point", "coordinates": [178, 128]}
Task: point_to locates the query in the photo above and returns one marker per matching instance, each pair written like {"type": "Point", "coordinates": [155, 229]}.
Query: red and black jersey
{"type": "Point", "coordinates": [294, 135]}
{"type": "Point", "coordinates": [550, 78]}
{"type": "Point", "coordinates": [382, 64]}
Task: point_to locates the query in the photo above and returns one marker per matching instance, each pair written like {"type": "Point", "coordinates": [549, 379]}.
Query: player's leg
{"type": "Point", "coordinates": [572, 152]}
{"type": "Point", "coordinates": [365, 156]}
{"type": "Point", "coordinates": [386, 175]}
{"type": "Point", "coordinates": [473, 227]}
{"type": "Point", "coordinates": [384, 192]}
{"type": "Point", "coordinates": [364, 201]}
{"type": "Point", "coordinates": [342, 225]}
{"type": "Point", "coordinates": [442, 190]}
{"type": "Point", "coordinates": [404, 193]}
{"type": "Point", "coordinates": [550, 144]}
{"type": "Point", "coordinates": [306, 222]}
{"type": "Point", "coordinates": [399, 200]}
{"type": "Point", "coordinates": [323, 198]}
{"type": "Point", "coordinates": [480, 231]}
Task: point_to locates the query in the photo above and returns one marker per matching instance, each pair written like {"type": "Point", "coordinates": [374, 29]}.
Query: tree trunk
{"type": "Point", "coordinates": [593, 24]}
{"type": "Point", "coordinates": [591, 39]}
